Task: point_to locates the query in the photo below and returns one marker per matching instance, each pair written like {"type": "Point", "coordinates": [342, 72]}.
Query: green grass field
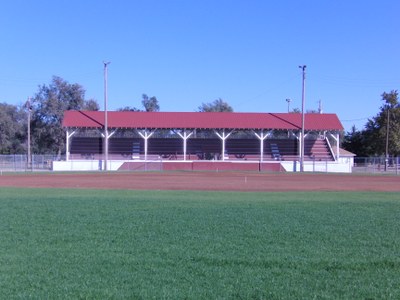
{"type": "Point", "coordinates": [91, 244]}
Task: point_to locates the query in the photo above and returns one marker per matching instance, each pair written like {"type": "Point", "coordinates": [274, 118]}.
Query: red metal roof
{"type": "Point", "coordinates": [199, 120]}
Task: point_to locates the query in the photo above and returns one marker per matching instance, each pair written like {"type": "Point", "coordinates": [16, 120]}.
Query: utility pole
{"type": "Point", "coordinates": [28, 107]}
{"type": "Point", "coordinates": [288, 104]}
{"type": "Point", "coordinates": [387, 139]}
{"type": "Point", "coordinates": [320, 106]}
{"type": "Point", "coordinates": [303, 96]}
{"type": "Point", "coordinates": [105, 117]}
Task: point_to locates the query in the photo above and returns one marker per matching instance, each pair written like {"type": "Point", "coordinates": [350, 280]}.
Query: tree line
{"type": "Point", "coordinates": [46, 110]}
{"type": "Point", "coordinates": [379, 137]}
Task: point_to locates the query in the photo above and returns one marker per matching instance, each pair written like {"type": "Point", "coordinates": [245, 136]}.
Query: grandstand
{"type": "Point", "coordinates": [169, 137]}
{"type": "Point", "coordinates": [200, 149]}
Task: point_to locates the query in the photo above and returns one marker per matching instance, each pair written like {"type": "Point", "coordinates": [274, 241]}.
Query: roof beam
{"type": "Point", "coordinates": [262, 136]}
{"type": "Point", "coordinates": [145, 134]}
{"type": "Point", "coordinates": [185, 136]}
{"type": "Point", "coordinates": [67, 145]}
{"type": "Point", "coordinates": [223, 136]}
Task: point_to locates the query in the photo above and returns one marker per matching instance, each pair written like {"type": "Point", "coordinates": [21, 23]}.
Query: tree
{"type": "Point", "coordinates": [48, 106]}
{"type": "Point", "coordinates": [372, 140]}
{"type": "Point", "coordinates": [217, 105]}
{"type": "Point", "coordinates": [354, 141]}
{"type": "Point", "coordinates": [12, 129]}
{"type": "Point", "coordinates": [387, 121]}
{"type": "Point", "coordinates": [128, 108]}
{"type": "Point", "coordinates": [150, 104]}
{"type": "Point", "coordinates": [296, 110]}
{"type": "Point", "coordinates": [91, 104]}
{"type": "Point", "coordinates": [390, 112]}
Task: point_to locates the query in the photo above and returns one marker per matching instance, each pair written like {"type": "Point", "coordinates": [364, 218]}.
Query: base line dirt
{"type": "Point", "coordinates": [211, 181]}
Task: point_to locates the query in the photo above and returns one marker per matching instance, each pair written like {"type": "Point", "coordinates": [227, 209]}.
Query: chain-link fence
{"type": "Point", "coordinates": [20, 163]}
{"type": "Point", "coordinates": [377, 165]}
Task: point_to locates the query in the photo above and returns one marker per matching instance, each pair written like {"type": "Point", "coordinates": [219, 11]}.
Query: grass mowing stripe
{"type": "Point", "coordinates": [156, 244]}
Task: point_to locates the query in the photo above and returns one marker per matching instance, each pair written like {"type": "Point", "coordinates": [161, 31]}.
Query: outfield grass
{"type": "Point", "coordinates": [198, 245]}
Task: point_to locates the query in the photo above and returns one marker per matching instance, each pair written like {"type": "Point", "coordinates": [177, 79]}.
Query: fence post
{"type": "Point", "coordinates": [326, 166]}
{"type": "Point", "coordinates": [313, 165]}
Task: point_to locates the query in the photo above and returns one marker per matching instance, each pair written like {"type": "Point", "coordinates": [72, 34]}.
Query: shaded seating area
{"type": "Point", "coordinates": [86, 148]}
{"type": "Point", "coordinates": [199, 149]}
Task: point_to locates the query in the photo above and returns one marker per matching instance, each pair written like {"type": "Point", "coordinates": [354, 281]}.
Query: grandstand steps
{"type": "Point", "coordinates": [318, 150]}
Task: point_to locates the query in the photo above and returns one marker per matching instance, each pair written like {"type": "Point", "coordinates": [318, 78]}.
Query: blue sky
{"type": "Point", "coordinates": [191, 52]}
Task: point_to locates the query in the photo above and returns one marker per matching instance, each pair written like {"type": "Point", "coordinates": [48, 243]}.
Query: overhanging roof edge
{"type": "Point", "coordinates": [200, 120]}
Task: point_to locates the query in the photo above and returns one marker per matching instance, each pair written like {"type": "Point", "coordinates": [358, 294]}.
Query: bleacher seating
{"type": "Point", "coordinates": [200, 148]}
{"type": "Point", "coordinates": [281, 149]}
{"type": "Point", "coordinates": [275, 151]}
{"type": "Point", "coordinates": [86, 147]}
{"type": "Point", "coordinates": [317, 150]}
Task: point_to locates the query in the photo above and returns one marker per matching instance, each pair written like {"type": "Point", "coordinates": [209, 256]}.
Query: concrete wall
{"type": "Point", "coordinates": [318, 166]}
{"type": "Point", "coordinates": [96, 165]}
{"type": "Point", "coordinates": [283, 166]}
{"type": "Point", "coordinates": [85, 165]}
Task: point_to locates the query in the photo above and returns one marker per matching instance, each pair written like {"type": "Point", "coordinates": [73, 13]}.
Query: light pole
{"type": "Point", "coordinates": [288, 104]}
{"type": "Point", "coordinates": [303, 96]}
{"type": "Point", "coordinates": [105, 117]}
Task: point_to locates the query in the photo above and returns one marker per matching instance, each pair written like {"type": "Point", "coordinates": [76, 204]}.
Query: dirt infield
{"type": "Point", "coordinates": [212, 181]}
